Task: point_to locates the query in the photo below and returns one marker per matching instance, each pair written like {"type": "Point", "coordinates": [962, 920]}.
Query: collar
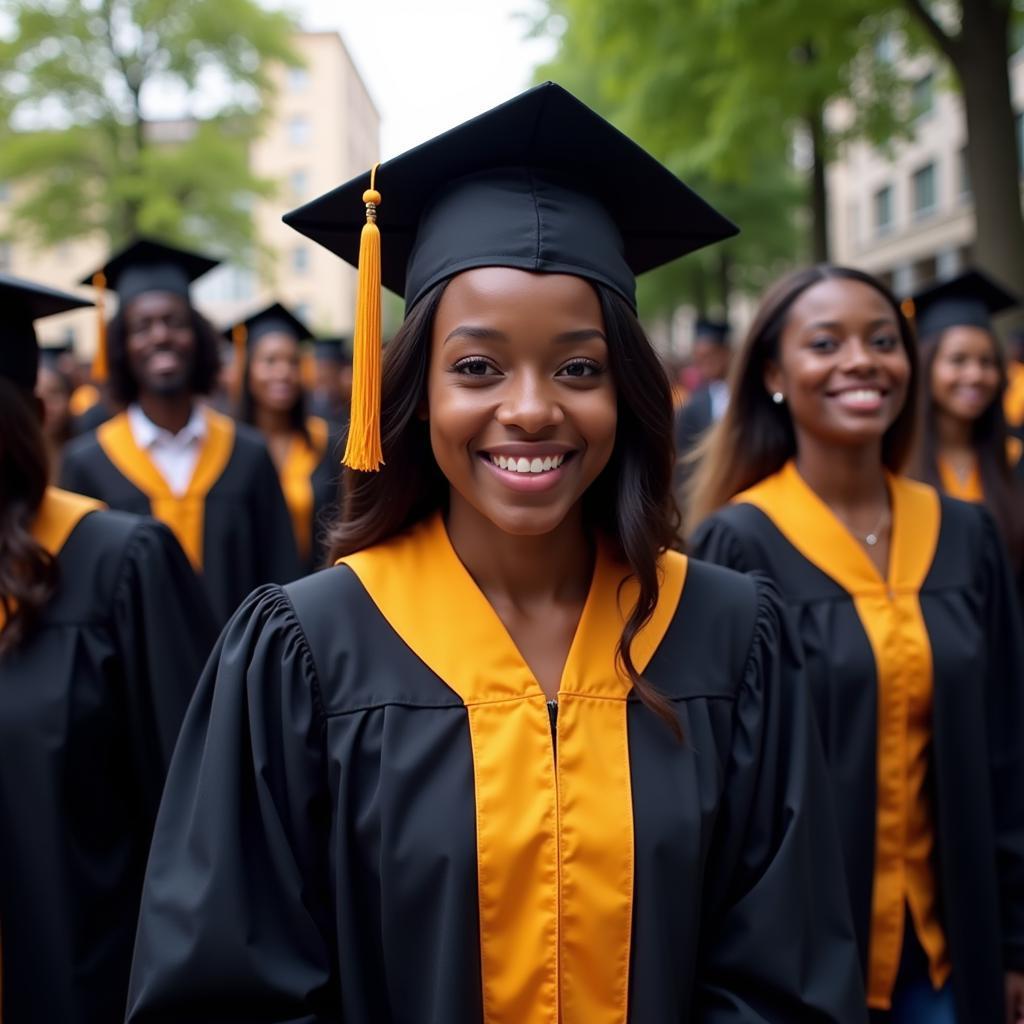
{"type": "Point", "coordinates": [147, 433]}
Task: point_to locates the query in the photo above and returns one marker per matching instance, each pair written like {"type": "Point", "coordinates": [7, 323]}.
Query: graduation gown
{"type": "Point", "coordinates": [373, 815]}
{"type": "Point", "coordinates": [232, 522]}
{"type": "Point", "coordinates": [948, 577]}
{"type": "Point", "coordinates": [90, 706]}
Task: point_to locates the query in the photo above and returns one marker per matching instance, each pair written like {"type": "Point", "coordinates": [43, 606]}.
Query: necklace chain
{"type": "Point", "coordinates": [872, 537]}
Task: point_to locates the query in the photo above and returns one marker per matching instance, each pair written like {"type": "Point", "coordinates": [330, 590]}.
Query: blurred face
{"type": "Point", "coordinates": [842, 367]}
{"type": "Point", "coordinates": [53, 393]}
{"type": "Point", "coordinates": [965, 378]}
{"type": "Point", "coordinates": [520, 397]}
{"type": "Point", "coordinates": [160, 342]}
{"type": "Point", "coordinates": [275, 372]}
{"type": "Point", "coordinates": [710, 360]}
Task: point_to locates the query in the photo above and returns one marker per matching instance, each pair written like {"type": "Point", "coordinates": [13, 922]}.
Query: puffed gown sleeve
{"type": "Point", "coordinates": [164, 633]}
{"type": "Point", "coordinates": [236, 909]}
{"type": "Point", "coordinates": [779, 944]}
{"type": "Point", "coordinates": [1005, 693]}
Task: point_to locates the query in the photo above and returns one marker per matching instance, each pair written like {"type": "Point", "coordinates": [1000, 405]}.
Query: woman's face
{"type": "Point", "coordinates": [520, 398]}
{"type": "Point", "coordinates": [275, 372]}
{"type": "Point", "coordinates": [53, 393]}
{"type": "Point", "coordinates": [842, 367]}
{"type": "Point", "coordinates": [965, 377]}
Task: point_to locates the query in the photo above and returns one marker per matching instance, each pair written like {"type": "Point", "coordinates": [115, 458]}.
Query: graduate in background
{"type": "Point", "coordinates": [514, 760]}
{"type": "Point", "coordinates": [269, 353]}
{"type": "Point", "coordinates": [103, 632]}
{"type": "Point", "coordinates": [707, 404]}
{"type": "Point", "coordinates": [1013, 401]}
{"type": "Point", "coordinates": [909, 624]}
{"type": "Point", "coordinates": [54, 388]}
{"type": "Point", "coordinates": [332, 391]}
{"type": "Point", "coordinates": [963, 446]}
{"type": "Point", "coordinates": [167, 454]}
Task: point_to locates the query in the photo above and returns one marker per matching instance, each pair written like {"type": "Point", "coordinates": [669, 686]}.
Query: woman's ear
{"type": "Point", "coordinates": [773, 378]}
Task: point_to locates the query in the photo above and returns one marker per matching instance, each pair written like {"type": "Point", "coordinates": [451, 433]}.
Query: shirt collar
{"type": "Point", "coordinates": [147, 433]}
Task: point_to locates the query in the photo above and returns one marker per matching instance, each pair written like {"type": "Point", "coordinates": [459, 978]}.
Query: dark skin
{"type": "Point", "coordinates": [161, 347]}
{"type": "Point", "coordinates": [844, 375]}
{"type": "Point", "coordinates": [275, 380]}
{"type": "Point", "coordinates": [519, 370]}
{"type": "Point", "coordinates": [711, 359]}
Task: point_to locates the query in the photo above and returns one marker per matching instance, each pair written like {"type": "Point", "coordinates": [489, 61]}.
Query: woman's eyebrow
{"type": "Point", "coordinates": [479, 333]}
{"type": "Point", "coordinates": [584, 334]}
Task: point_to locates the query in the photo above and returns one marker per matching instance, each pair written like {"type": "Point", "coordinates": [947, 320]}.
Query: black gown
{"type": "Point", "coordinates": [373, 815]}
{"type": "Point", "coordinates": [976, 756]}
{"type": "Point", "coordinates": [233, 523]}
{"type": "Point", "coordinates": [90, 707]}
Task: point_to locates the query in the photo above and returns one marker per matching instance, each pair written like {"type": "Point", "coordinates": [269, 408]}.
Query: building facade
{"type": "Point", "coordinates": [906, 215]}
{"type": "Point", "coordinates": [322, 130]}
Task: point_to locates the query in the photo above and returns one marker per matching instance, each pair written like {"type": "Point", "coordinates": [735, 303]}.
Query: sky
{"type": "Point", "coordinates": [431, 64]}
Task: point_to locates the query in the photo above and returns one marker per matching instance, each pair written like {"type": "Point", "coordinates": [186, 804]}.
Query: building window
{"type": "Point", "coordinates": [298, 80]}
{"type": "Point", "coordinates": [299, 133]}
{"type": "Point", "coordinates": [965, 173]}
{"type": "Point", "coordinates": [298, 182]}
{"type": "Point", "coordinates": [300, 259]}
{"type": "Point", "coordinates": [303, 311]}
{"type": "Point", "coordinates": [5, 256]}
{"type": "Point", "coordinates": [923, 189]}
{"type": "Point", "coordinates": [922, 96]}
{"type": "Point", "coordinates": [883, 210]}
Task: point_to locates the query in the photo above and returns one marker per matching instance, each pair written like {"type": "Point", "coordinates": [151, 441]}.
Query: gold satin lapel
{"type": "Point", "coordinates": [554, 839]}
{"type": "Point", "coordinates": [296, 477]}
{"type": "Point", "coordinates": [965, 490]}
{"type": "Point", "coordinates": [890, 613]}
{"type": "Point", "coordinates": [185, 515]}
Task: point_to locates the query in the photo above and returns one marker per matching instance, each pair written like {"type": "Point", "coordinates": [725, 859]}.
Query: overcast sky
{"type": "Point", "coordinates": [430, 64]}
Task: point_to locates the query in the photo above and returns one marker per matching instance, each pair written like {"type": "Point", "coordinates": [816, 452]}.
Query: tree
{"type": "Point", "coordinates": [78, 81]}
{"type": "Point", "coordinates": [974, 36]}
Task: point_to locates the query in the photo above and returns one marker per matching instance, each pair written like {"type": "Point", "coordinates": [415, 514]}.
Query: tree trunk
{"type": "Point", "coordinates": [981, 64]}
{"type": "Point", "coordinates": [700, 289]}
{"type": "Point", "coordinates": [724, 280]}
{"type": "Point", "coordinates": [815, 124]}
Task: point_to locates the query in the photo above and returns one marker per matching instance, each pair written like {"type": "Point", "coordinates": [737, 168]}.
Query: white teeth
{"type": "Point", "coordinates": [525, 465]}
{"type": "Point", "coordinates": [864, 395]}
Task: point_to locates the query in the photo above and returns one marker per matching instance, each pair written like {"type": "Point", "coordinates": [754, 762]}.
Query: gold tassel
{"type": "Point", "coordinates": [100, 367]}
{"type": "Point", "coordinates": [239, 339]}
{"type": "Point", "coordinates": [363, 448]}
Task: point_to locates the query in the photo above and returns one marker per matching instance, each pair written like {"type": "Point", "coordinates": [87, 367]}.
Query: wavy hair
{"type": "Point", "coordinates": [630, 502]}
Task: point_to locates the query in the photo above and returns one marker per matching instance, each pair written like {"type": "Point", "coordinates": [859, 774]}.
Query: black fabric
{"type": "Point", "coordinates": [146, 265]}
{"type": "Point", "coordinates": [336, 350]}
{"type": "Point", "coordinates": [274, 319]}
{"type": "Point", "coordinates": [714, 331]}
{"type": "Point", "coordinates": [540, 182]}
{"type": "Point", "coordinates": [90, 708]}
{"type": "Point", "coordinates": [315, 856]}
{"type": "Point", "coordinates": [95, 416]}
{"type": "Point", "coordinates": [968, 300]}
{"type": "Point", "coordinates": [247, 531]}
{"type": "Point", "coordinates": [691, 423]}
{"type": "Point", "coordinates": [977, 774]}
{"type": "Point", "coordinates": [22, 303]}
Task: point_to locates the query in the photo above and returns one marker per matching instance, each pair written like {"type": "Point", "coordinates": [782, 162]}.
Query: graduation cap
{"type": "Point", "coordinates": [273, 319]}
{"type": "Point", "coordinates": [24, 302]}
{"type": "Point", "coordinates": [540, 183]}
{"type": "Point", "coordinates": [334, 350]}
{"type": "Point", "coordinates": [970, 300]}
{"type": "Point", "coordinates": [144, 265]}
{"type": "Point", "coordinates": [714, 331]}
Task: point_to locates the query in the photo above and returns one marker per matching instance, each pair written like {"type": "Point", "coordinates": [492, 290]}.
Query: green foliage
{"type": "Point", "coordinates": [717, 89]}
{"type": "Point", "coordinates": [76, 79]}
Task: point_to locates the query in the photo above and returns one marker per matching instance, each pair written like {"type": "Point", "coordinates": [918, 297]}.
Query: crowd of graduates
{"type": "Point", "coordinates": [590, 691]}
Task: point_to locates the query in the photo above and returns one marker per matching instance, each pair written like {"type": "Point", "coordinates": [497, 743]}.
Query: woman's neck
{"type": "Point", "coordinates": [272, 422]}
{"type": "Point", "coordinates": [523, 571]}
{"type": "Point", "coordinates": [952, 433]}
{"type": "Point", "coordinates": [847, 478]}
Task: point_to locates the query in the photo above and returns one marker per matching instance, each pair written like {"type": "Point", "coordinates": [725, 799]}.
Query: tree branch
{"type": "Point", "coordinates": [947, 44]}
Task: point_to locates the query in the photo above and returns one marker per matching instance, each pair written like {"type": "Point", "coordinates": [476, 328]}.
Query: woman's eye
{"type": "Point", "coordinates": [580, 368]}
{"type": "Point", "coordinates": [473, 366]}
{"type": "Point", "coordinates": [824, 344]}
{"type": "Point", "coordinates": [886, 342]}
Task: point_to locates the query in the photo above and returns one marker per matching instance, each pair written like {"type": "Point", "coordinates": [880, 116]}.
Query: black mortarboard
{"type": "Point", "coordinates": [337, 350]}
{"type": "Point", "coordinates": [541, 183]}
{"type": "Point", "coordinates": [274, 319]}
{"type": "Point", "coordinates": [714, 331]}
{"type": "Point", "coordinates": [24, 302]}
{"type": "Point", "coordinates": [970, 300]}
{"type": "Point", "coordinates": [149, 266]}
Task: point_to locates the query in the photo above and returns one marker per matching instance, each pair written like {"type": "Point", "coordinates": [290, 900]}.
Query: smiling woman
{"type": "Point", "coordinates": [900, 596]}
{"type": "Point", "coordinates": [514, 759]}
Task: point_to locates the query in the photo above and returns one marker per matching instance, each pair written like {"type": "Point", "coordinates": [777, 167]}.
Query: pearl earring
{"type": "Point", "coordinates": [778, 398]}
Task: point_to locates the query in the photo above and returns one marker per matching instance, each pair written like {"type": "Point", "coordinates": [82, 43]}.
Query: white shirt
{"type": "Point", "coordinates": [174, 455]}
{"type": "Point", "coordinates": [719, 392]}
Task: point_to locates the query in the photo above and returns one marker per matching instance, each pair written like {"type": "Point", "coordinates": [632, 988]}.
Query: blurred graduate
{"type": "Point", "coordinates": [103, 632]}
{"type": "Point", "coordinates": [167, 454]}
{"type": "Point", "coordinates": [269, 354]}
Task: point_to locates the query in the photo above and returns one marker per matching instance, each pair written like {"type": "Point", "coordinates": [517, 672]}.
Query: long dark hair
{"type": "Point", "coordinates": [630, 502]}
{"type": "Point", "coordinates": [124, 388]}
{"type": "Point", "coordinates": [28, 573]}
{"type": "Point", "coordinates": [755, 437]}
{"type": "Point", "coordinates": [247, 403]}
{"type": "Point", "coordinates": [989, 437]}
